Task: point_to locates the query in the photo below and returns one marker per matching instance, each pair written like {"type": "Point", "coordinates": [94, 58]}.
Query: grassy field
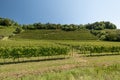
{"type": "Point", "coordinates": [74, 68]}
{"type": "Point", "coordinates": [17, 43]}
{"type": "Point", "coordinates": [56, 35]}
{"type": "Point", "coordinates": [22, 43]}
{"type": "Point", "coordinates": [6, 31]}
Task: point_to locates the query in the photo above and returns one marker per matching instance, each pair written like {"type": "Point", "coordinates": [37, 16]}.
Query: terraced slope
{"type": "Point", "coordinates": [56, 35]}
{"type": "Point", "coordinates": [6, 31]}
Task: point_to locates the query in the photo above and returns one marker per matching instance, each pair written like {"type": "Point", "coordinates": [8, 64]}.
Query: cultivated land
{"type": "Point", "coordinates": [56, 35]}
{"type": "Point", "coordinates": [58, 55]}
{"type": "Point", "coordinates": [74, 66]}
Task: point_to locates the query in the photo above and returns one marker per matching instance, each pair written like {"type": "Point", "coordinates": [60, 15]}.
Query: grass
{"type": "Point", "coordinates": [56, 35]}
{"type": "Point", "coordinates": [96, 73]}
{"type": "Point", "coordinates": [74, 68]}
{"type": "Point", "coordinates": [22, 42]}
{"type": "Point", "coordinates": [87, 42]}
{"type": "Point", "coordinates": [108, 70]}
{"type": "Point", "coordinates": [6, 31]}
{"type": "Point", "coordinates": [26, 43]}
{"type": "Point", "coordinates": [22, 69]}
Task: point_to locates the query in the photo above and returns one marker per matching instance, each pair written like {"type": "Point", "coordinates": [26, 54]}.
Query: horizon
{"type": "Point", "coordinates": [61, 11]}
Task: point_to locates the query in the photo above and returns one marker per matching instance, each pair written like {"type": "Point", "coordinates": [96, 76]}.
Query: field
{"type": "Point", "coordinates": [80, 68]}
{"type": "Point", "coordinates": [57, 55]}
{"type": "Point", "coordinates": [56, 35]}
{"type": "Point", "coordinates": [79, 63]}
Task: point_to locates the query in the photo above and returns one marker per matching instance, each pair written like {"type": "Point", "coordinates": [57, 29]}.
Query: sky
{"type": "Point", "coordinates": [61, 11]}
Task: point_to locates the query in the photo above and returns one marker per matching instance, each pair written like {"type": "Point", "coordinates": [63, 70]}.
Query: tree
{"type": "Point", "coordinates": [7, 22]}
{"type": "Point", "coordinates": [100, 26]}
{"type": "Point", "coordinates": [18, 30]}
{"type": "Point", "coordinates": [113, 35]}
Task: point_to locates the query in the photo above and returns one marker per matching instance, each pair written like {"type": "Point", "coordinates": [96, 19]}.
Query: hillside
{"type": "Point", "coordinates": [6, 31]}
{"type": "Point", "coordinates": [51, 31]}
{"type": "Point", "coordinates": [55, 35]}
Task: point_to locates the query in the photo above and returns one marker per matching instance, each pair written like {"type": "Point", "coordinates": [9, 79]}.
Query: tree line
{"type": "Point", "coordinates": [66, 27]}
{"type": "Point", "coordinates": [100, 26]}
{"type": "Point", "coordinates": [71, 27]}
{"type": "Point", "coordinates": [7, 22]}
{"type": "Point", "coordinates": [107, 35]}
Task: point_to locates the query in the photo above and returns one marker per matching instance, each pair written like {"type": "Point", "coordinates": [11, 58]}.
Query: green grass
{"type": "Point", "coordinates": [17, 43]}
{"type": "Point", "coordinates": [92, 42]}
{"type": "Point", "coordinates": [74, 68]}
{"type": "Point", "coordinates": [26, 43]}
{"type": "Point", "coordinates": [56, 35]}
{"type": "Point", "coordinates": [6, 31]}
{"type": "Point", "coordinates": [95, 73]}
{"type": "Point", "coordinates": [106, 69]}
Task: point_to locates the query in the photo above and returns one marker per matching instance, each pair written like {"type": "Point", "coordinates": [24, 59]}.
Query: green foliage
{"type": "Point", "coordinates": [7, 22]}
{"type": "Point", "coordinates": [6, 31]}
{"type": "Point", "coordinates": [113, 35]}
{"type": "Point", "coordinates": [100, 26]}
{"type": "Point", "coordinates": [20, 52]}
{"type": "Point", "coordinates": [94, 48]}
{"type": "Point", "coordinates": [71, 27]}
{"type": "Point", "coordinates": [108, 35]}
{"type": "Point", "coordinates": [48, 26]}
{"type": "Point", "coordinates": [4, 53]}
{"type": "Point", "coordinates": [18, 30]}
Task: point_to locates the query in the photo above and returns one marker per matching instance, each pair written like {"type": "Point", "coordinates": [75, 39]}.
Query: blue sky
{"type": "Point", "coordinates": [61, 11]}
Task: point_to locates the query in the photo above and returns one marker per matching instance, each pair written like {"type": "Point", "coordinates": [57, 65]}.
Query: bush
{"type": "Point", "coordinates": [18, 30]}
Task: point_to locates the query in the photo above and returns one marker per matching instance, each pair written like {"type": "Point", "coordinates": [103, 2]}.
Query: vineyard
{"type": "Point", "coordinates": [59, 40]}
{"type": "Point", "coordinates": [93, 48]}
{"type": "Point", "coordinates": [43, 56]}
{"type": "Point", "coordinates": [27, 52]}
{"type": "Point", "coordinates": [16, 50]}
{"type": "Point", "coordinates": [23, 51]}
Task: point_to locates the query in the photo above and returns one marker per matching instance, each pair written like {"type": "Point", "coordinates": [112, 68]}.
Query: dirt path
{"type": "Point", "coordinates": [5, 38]}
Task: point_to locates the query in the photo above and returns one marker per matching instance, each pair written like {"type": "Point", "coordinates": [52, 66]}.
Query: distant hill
{"type": "Point", "coordinates": [56, 35]}
{"type": "Point", "coordinates": [103, 30]}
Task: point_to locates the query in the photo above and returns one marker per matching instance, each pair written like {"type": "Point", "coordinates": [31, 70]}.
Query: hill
{"type": "Point", "coordinates": [56, 35]}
